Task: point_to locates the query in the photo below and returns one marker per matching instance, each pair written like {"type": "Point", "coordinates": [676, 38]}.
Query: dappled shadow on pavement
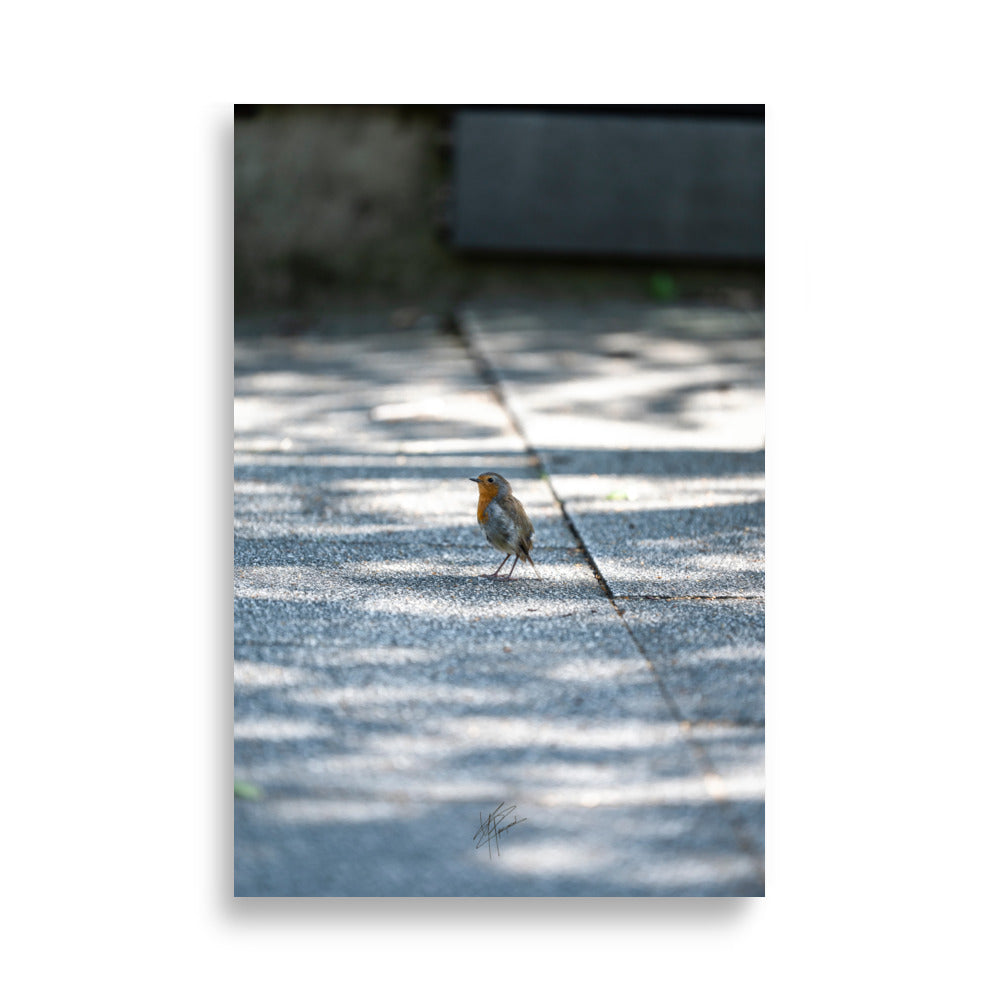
{"type": "Point", "coordinates": [387, 693]}
{"type": "Point", "coordinates": [388, 699]}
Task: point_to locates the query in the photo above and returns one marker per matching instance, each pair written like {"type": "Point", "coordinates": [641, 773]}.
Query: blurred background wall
{"type": "Point", "coordinates": [421, 206]}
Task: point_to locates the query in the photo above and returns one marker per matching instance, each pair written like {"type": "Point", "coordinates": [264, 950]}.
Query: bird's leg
{"type": "Point", "coordinates": [512, 567]}
{"type": "Point", "coordinates": [500, 567]}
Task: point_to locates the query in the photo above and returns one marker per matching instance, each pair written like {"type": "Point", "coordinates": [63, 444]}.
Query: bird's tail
{"type": "Point", "coordinates": [524, 552]}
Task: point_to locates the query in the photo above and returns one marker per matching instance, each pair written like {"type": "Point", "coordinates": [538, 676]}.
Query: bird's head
{"type": "Point", "coordinates": [492, 484]}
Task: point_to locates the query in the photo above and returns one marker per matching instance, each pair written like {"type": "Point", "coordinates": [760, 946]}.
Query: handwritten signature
{"type": "Point", "coordinates": [490, 828]}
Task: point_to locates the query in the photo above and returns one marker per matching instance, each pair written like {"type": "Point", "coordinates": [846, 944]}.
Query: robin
{"type": "Point", "coordinates": [503, 520]}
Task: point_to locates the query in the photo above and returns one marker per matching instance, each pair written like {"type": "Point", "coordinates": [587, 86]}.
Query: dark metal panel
{"type": "Point", "coordinates": [641, 186]}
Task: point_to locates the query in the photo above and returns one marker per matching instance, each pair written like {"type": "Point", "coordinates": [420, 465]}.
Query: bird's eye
{"type": "Point", "coordinates": [489, 479]}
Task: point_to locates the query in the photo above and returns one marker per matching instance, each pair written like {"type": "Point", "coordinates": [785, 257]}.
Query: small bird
{"type": "Point", "coordinates": [503, 520]}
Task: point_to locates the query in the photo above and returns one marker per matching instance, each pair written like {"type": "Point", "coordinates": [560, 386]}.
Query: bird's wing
{"type": "Point", "coordinates": [525, 520]}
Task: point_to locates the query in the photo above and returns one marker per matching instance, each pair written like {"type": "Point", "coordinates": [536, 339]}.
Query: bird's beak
{"type": "Point", "coordinates": [471, 480]}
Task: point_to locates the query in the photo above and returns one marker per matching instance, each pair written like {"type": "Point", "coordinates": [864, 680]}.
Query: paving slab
{"type": "Point", "coordinates": [649, 424]}
{"type": "Point", "coordinates": [387, 693]}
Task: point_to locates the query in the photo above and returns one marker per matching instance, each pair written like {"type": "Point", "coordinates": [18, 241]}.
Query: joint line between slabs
{"type": "Point", "coordinates": [492, 379]}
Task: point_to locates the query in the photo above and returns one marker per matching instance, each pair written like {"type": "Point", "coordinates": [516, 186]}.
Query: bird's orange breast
{"type": "Point", "coordinates": [487, 491]}
{"type": "Point", "coordinates": [484, 502]}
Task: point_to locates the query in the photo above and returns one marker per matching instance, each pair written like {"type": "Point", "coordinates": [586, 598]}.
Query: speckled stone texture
{"type": "Point", "coordinates": [388, 695]}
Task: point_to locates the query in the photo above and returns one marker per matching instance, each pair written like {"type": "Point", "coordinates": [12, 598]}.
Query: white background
{"type": "Point", "coordinates": [881, 417]}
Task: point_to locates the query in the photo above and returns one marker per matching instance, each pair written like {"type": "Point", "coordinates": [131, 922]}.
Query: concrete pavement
{"type": "Point", "coordinates": [388, 696]}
